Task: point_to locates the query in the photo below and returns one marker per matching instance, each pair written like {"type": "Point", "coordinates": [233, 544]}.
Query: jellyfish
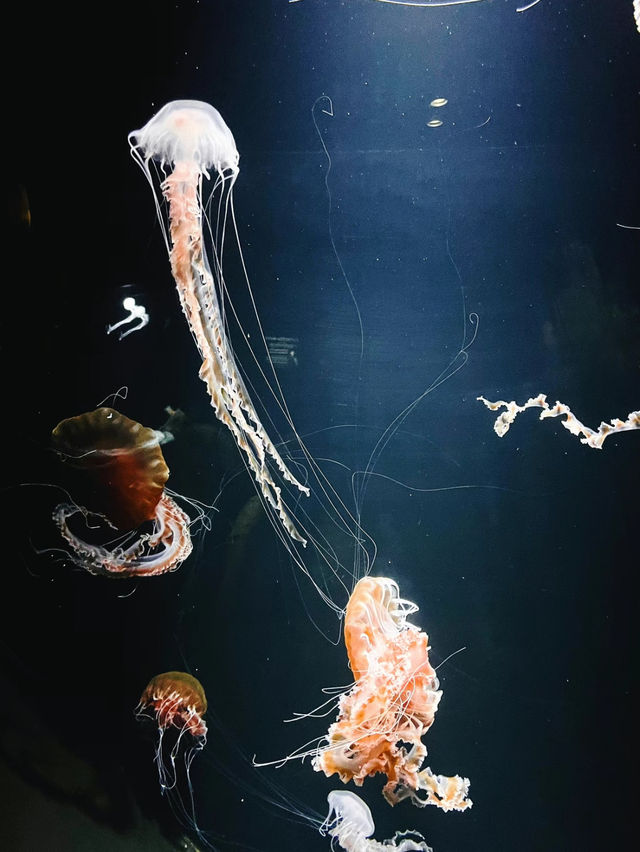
{"type": "Point", "coordinates": [349, 821]}
{"type": "Point", "coordinates": [176, 702]}
{"type": "Point", "coordinates": [191, 143]}
{"type": "Point", "coordinates": [134, 312]}
{"type": "Point", "coordinates": [122, 467]}
{"type": "Point", "coordinates": [594, 438]}
{"type": "Point", "coordinates": [392, 703]}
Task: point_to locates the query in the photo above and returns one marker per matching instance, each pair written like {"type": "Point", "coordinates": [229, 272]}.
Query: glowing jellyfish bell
{"type": "Point", "coordinates": [190, 142]}
{"type": "Point", "coordinates": [192, 133]}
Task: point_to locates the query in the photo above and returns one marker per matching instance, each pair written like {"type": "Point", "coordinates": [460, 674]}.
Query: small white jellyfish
{"type": "Point", "coordinates": [136, 312]}
{"type": "Point", "coordinates": [439, 102]}
{"type": "Point", "coordinates": [349, 821]}
{"type": "Point", "coordinates": [435, 122]}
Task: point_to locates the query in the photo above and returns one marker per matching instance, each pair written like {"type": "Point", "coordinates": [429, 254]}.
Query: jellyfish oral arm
{"type": "Point", "coordinates": [148, 554]}
{"type": "Point", "coordinates": [594, 438]}
{"type": "Point", "coordinates": [219, 372]}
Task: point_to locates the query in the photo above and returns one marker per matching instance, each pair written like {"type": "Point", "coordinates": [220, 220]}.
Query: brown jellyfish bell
{"type": "Point", "coordinates": [178, 700]}
{"type": "Point", "coordinates": [121, 459]}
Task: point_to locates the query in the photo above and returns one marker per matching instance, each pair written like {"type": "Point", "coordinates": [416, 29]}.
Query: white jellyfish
{"type": "Point", "coordinates": [135, 312]}
{"type": "Point", "coordinates": [349, 821]}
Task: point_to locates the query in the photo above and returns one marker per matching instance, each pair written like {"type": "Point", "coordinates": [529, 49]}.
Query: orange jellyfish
{"type": "Point", "coordinates": [122, 466]}
{"type": "Point", "coordinates": [190, 142]}
{"type": "Point", "coordinates": [392, 703]}
{"type": "Point", "coordinates": [177, 703]}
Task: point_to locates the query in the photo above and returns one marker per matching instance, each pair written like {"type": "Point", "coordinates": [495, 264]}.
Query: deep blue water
{"type": "Point", "coordinates": [501, 227]}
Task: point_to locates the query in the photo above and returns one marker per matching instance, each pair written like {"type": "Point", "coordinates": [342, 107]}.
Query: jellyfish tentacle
{"type": "Point", "coordinates": [158, 552]}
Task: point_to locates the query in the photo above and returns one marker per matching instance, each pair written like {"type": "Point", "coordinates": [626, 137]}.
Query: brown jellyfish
{"type": "Point", "coordinates": [177, 700]}
{"type": "Point", "coordinates": [121, 465]}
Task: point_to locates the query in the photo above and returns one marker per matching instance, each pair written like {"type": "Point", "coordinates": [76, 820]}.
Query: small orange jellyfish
{"type": "Point", "coordinates": [177, 700]}
{"type": "Point", "coordinates": [392, 703]}
{"type": "Point", "coordinates": [177, 703]}
{"type": "Point", "coordinates": [122, 463]}
{"type": "Point", "coordinates": [191, 143]}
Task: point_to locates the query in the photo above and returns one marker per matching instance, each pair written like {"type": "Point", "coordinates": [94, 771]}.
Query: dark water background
{"type": "Point", "coordinates": [530, 566]}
